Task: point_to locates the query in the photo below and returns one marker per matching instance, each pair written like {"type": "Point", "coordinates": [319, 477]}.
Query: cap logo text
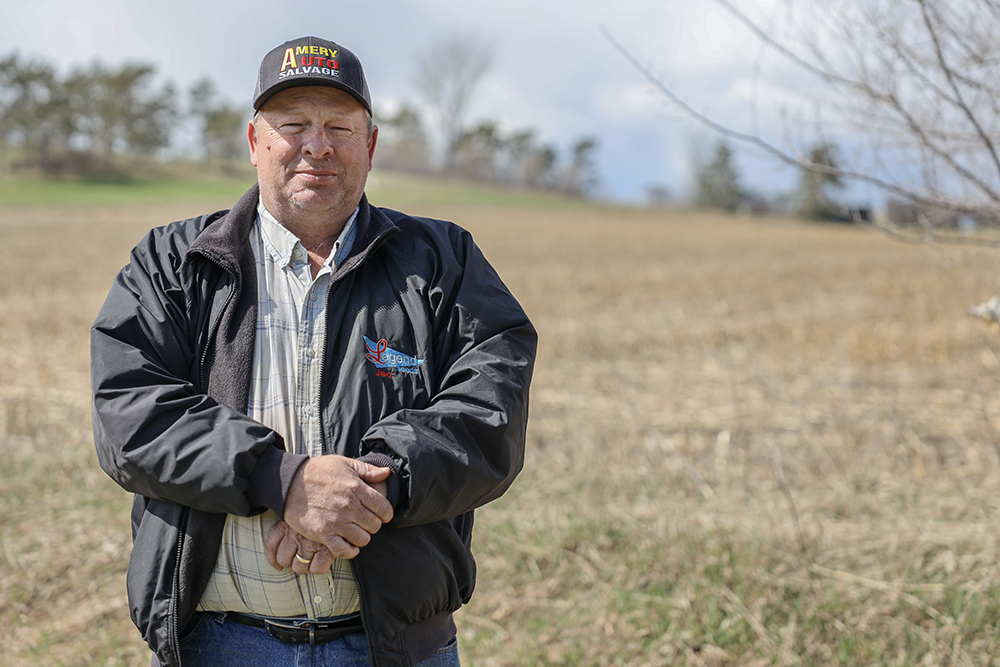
{"type": "Point", "coordinates": [315, 51]}
{"type": "Point", "coordinates": [310, 56]}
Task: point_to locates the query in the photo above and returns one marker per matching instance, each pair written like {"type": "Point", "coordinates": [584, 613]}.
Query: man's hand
{"type": "Point", "coordinates": [332, 502]}
{"type": "Point", "coordinates": [282, 544]}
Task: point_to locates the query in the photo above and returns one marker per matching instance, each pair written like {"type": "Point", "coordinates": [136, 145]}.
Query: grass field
{"type": "Point", "coordinates": [752, 442]}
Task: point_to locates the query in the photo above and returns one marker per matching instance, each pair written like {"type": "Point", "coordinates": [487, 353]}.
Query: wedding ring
{"type": "Point", "coordinates": [304, 561]}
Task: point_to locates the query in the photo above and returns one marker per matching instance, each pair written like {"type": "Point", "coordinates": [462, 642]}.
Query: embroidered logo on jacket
{"type": "Point", "coordinates": [387, 360]}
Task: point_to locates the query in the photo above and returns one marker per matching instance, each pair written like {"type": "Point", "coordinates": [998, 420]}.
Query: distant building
{"type": "Point", "coordinates": [911, 214]}
{"type": "Point", "coordinates": [852, 213]}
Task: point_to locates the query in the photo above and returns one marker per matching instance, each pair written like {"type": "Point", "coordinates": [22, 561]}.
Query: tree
{"type": "Point", "coordinates": [525, 163]}
{"type": "Point", "coordinates": [223, 126]}
{"type": "Point", "coordinates": [120, 112]}
{"type": "Point", "coordinates": [911, 85]}
{"type": "Point", "coordinates": [580, 177]}
{"type": "Point", "coordinates": [34, 113]}
{"type": "Point", "coordinates": [447, 76]}
{"type": "Point", "coordinates": [402, 141]}
{"type": "Point", "coordinates": [478, 153]}
{"type": "Point", "coordinates": [487, 154]}
{"type": "Point", "coordinates": [814, 199]}
{"type": "Point", "coordinates": [717, 181]}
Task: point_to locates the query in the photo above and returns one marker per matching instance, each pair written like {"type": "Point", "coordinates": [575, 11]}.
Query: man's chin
{"type": "Point", "coordinates": [318, 199]}
{"type": "Point", "coordinates": [314, 200]}
{"type": "Point", "coordinates": [314, 203]}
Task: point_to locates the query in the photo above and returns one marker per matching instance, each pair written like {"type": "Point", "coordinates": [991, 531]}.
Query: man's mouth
{"type": "Point", "coordinates": [315, 175]}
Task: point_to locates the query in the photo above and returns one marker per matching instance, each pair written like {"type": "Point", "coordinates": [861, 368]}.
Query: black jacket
{"type": "Point", "coordinates": [171, 355]}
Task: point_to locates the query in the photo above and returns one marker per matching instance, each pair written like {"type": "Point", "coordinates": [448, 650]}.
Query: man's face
{"type": "Point", "coordinates": [313, 153]}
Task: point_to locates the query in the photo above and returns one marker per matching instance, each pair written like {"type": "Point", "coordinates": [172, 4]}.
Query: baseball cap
{"type": "Point", "coordinates": [311, 61]}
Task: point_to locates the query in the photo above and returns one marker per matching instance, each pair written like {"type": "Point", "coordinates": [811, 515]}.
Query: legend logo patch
{"type": "Point", "coordinates": [387, 359]}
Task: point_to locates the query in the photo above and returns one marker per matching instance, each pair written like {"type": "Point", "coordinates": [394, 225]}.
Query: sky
{"type": "Point", "coordinates": [554, 69]}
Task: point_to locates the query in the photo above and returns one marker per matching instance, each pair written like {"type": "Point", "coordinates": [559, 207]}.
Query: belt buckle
{"type": "Point", "coordinates": [310, 626]}
{"type": "Point", "coordinates": [293, 631]}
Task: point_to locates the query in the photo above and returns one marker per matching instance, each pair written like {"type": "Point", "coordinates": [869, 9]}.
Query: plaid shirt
{"type": "Point", "coordinates": [284, 395]}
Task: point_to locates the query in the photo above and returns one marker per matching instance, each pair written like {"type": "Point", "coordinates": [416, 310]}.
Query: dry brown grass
{"type": "Point", "coordinates": [752, 442]}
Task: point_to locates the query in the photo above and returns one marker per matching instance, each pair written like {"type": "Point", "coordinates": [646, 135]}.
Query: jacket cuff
{"type": "Point", "coordinates": [272, 477]}
{"type": "Point", "coordinates": [392, 483]}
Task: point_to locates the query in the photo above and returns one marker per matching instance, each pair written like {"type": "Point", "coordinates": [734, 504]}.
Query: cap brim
{"type": "Point", "coordinates": [295, 83]}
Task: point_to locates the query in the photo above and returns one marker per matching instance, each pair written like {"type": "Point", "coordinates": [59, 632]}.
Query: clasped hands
{"type": "Point", "coordinates": [334, 505]}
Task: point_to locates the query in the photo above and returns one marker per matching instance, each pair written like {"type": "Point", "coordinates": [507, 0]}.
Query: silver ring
{"type": "Point", "coordinates": [304, 561]}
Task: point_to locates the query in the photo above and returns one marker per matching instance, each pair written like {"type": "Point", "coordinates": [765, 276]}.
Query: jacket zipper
{"type": "Point", "coordinates": [334, 279]}
{"type": "Point", "coordinates": [177, 584]}
{"type": "Point", "coordinates": [361, 610]}
{"type": "Point", "coordinates": [322, 424]}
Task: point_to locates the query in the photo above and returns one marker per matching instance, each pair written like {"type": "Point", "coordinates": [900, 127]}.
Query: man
{"type": "Point", "coordinates": [309, 396]}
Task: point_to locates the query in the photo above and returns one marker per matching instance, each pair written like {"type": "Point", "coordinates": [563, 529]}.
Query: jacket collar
{"type": "Point", "coordinates": [227, 237]}
{"type": "Point", "coordinates": [374, 228]}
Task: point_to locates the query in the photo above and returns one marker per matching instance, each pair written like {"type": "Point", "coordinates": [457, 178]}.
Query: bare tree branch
{"type": "Point", "coordinates": [917, 80]}
{"type": "Point", "coordinates": [948, 72]}
{"type": "Point", "coordinates": [786, 157]}
{"type": "Point", "coordinates": [824, 73]}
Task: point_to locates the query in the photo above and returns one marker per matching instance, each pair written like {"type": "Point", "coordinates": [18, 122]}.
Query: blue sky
{"type": "Point", "coordinates": [553, 69]}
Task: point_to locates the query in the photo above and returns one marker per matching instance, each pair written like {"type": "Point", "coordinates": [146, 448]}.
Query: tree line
{"type": "Point", "coordinates": [485, 153]}
{"type": "Point", "coordinates": [100, 120]}
{"type": "Point", "coordinates": [718, 184]}
{"type": "Point", "coordinates": [84, 122]}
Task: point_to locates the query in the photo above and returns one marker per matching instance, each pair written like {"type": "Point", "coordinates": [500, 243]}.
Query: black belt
{"type": "Point", "coordinates": [302, 631]}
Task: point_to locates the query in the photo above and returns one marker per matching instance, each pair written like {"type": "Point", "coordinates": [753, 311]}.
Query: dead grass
{"type": "Point", "coordinates": [753, 442]}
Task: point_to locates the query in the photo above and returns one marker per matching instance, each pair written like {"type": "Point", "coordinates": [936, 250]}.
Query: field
{"type": "Point", "coordinates": [753, 442]}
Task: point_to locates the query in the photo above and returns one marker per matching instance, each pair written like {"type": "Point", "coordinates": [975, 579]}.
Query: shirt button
{"type": "Point", "coordinates": [318, 599]}
{"type": "Point", "coordinates": [310, 352]}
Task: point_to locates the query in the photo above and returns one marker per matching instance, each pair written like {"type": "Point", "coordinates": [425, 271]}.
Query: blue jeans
{"type": "Point", "coordinates": [213, 642]}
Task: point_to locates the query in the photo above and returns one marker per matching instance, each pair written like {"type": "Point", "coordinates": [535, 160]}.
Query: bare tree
{"type": "Point", "coordinates": [448, 74]}
{"type": "Point", "coordinates": [913, 86]}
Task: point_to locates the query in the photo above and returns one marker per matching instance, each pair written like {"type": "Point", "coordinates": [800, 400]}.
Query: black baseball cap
{"type": "Point", "coordinates": [311, 61]}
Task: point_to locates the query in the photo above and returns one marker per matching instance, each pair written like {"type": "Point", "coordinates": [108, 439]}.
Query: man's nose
{"type": "Point", "coordinates": [316, 143]}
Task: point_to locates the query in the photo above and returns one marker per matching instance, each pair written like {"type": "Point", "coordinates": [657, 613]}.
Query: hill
{"type": "Point", "coordinates": [180, 183]}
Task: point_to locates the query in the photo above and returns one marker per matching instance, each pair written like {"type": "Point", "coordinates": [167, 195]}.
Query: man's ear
{"type": "Point", "coordinates": [252, 142]}
{"type": "Point", "coordinates": [371, 147]}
